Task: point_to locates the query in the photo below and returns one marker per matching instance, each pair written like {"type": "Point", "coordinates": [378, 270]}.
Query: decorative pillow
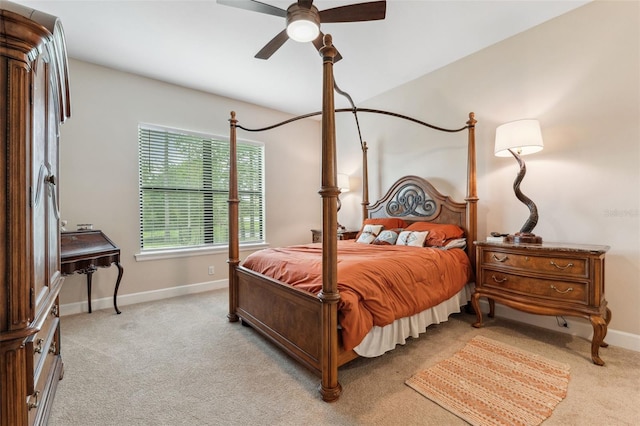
{"type": "Point", "coordinates": [412, 238]}
{"type": "Point", "coordinates": [439, 233]}
{"type": "Point", "coordinates": [456, 243]}
{"type": "Point", "coordinates": [387, 237]}
{"type": "Point", "coordinates": [369, 233]}
{"type": "Point", "coordinates": [386, 222]}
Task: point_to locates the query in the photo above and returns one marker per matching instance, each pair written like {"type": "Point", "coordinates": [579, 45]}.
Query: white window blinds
{"type": "Point", "coordinates": [184, 187]}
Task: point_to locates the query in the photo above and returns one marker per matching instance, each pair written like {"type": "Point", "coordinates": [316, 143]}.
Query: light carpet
{"type": "Point", "coordinates": [491, 383]}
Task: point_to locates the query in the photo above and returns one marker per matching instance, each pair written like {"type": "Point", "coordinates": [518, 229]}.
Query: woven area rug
{"type": "Point", "coordinates": [490, 383]}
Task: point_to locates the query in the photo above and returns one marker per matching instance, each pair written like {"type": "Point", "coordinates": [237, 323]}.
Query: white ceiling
{"type": "Point", "coordinates": [211, 47]}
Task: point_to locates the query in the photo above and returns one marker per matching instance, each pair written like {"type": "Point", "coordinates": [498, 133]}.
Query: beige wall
{"type": "Point", "coordinates": [579, 75]}
{"type": "Point", "coordinates": [99, 174]}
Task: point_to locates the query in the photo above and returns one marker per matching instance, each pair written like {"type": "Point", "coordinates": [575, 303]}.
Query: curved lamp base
{"type": "Point", "coordinates": [524, 238]}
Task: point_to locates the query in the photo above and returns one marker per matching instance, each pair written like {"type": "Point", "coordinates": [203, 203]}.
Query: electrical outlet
{"type": "Point", "coordinates": [562, 322]}
{"type": "Point", "coordinates": [211, 270]}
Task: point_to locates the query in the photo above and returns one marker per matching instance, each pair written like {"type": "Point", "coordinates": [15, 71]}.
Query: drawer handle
{"type": "Point", "coordinates": [38, 348]}
{"type": "Point", "coordinates": [499, 280]}
{"type": "Point", "coordinates": [52, 348]}
{"type": "Point", "coordinates": [500, 259]}
{"type": "Point", "coordinates": [54, 310]}
{"type": "Point", "coordinates": [31, 404]}
{"type": "Point", "coordinates": [569, 265]}
{"type": "Point", "coordinates": [560, 291]}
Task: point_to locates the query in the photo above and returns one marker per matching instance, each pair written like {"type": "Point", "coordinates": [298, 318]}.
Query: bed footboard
{"type": "Point", "coordinates": [288, 317]}
{"type": "Point", "coordinates": [291, 318]}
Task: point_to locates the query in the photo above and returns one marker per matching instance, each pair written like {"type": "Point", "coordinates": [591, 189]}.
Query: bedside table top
{"type": "Point", "coordinates": [348, 231]}
{"type": "Point", "coordinates": [570, 247]}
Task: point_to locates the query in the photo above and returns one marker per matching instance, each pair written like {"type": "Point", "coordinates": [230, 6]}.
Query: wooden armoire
{"type": "Point", "coordinates": [34, 101]}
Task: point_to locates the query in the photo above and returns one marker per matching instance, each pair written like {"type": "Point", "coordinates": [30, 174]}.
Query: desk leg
{"type": "Point", "coordinates": [115, 293]}
{"type": "Point", "coordinates": [89, 275]}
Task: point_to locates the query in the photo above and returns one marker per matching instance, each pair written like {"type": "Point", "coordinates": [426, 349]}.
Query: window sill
{"type": "Point", "coordinates": [195, 251]}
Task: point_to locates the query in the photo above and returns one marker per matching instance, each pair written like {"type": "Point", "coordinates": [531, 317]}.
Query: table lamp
{"type": "Point", "coordinates": [519, 138]}
{"type": "Point", "coordinates": [343, 185]}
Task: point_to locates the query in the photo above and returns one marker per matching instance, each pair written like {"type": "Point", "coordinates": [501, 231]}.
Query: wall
{"type": "Point", "coordinates": [99, 176]}
{"type": "Point", "coordinates": [579, 75]}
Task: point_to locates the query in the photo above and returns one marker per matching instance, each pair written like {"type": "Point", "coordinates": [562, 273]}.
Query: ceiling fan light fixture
{"type": "Point", "coordinates": [303, 24]}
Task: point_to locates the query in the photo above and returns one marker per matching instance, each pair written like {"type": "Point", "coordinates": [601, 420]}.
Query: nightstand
{"type": "Point", "coordinates": [545, 279]}
{"type": "Point", "coordinates": [316, 235]}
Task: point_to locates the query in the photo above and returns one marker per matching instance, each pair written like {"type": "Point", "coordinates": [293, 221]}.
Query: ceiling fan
{"type": "Point", "coordinates": [303, 20]}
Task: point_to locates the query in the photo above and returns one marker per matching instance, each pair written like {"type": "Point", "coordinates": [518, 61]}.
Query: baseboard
{"type": "Point", "coordinates": [146, 296]}
{"type": "Point", "coordinates": [575, 326]}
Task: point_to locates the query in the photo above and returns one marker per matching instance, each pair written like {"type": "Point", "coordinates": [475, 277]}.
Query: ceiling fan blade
{"type": "Point", "coordinates": [255, 6]}
{"type": "Point", "coordinates": [275, 44]}
{"type": "Point", "coordinates": [372, 11]}
{"type": "Point", "coordinates": [319, 42]}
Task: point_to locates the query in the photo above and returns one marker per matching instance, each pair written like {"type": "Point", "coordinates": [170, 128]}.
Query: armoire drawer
{"type": "Point", "coordinates": [38, 346]}
{"type": "Point", "coordinates": [40, 389]}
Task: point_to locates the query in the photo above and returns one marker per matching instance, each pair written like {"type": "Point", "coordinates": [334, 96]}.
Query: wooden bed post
{"type": "Point", "coordinates": [472, 194]}
{"type": "Point", "coordinates": [330, 389]}
{"type": "Point", "coordinates": [365, 182]}
{"type": "Point", "coordinates": [234, 242]}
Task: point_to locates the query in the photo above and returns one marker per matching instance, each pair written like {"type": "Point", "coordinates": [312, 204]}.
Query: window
{"type": "Point", "coordinates": [184, 189]}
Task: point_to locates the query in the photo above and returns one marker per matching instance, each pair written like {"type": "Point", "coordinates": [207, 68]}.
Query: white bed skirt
{"type": "Point", "coordinates": [383, 339]}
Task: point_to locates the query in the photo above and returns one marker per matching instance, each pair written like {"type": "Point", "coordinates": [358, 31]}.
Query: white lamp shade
{"type": "Point", "coordinates": [343, 182]}
{"type": "Point", "coordinates": [522, 136]}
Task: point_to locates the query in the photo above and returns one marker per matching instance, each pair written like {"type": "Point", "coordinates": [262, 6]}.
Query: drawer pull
{"type": "Point", "coordinates": [32, 404]}
{"type": "Point", "coordinates": [38, 348]}
{"type": "Point", "coordinates": [568, 265]}
{"type": "Point", "coordinates": [560, 291]}
{"type": "Point", "coordinates": [52, 348]}
{"type": "Point", "coordinates": [498, 280]}
{"type": "Point", "coordinates": [500, 259]}
{"type": "Point", "coordinates": [54, 310]}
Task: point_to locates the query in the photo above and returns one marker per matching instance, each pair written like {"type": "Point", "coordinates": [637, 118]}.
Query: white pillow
{"type": "Point", "coordinates": [369, 233]}
{"type": "Point", "coordinates": [456, 243]}
{"type": "Point", "coordinates": [412, 238]}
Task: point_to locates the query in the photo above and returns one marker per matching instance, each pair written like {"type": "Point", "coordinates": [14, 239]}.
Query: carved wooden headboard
{"type": "Point", "coordinates": [414, 199]}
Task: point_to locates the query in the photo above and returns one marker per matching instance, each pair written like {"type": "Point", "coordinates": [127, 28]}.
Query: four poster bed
{"type": "Point", "coordinates": [320, 316]}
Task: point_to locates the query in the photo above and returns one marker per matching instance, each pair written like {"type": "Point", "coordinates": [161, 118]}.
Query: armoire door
{"type": "Point", "coordinates": [45, 207]}
{"type": "Point", "coordinates": [52, 219]}
{"type": "Point", "coordinates": [38, 182]}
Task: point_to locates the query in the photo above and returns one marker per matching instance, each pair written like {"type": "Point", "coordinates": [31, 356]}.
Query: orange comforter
{"type": "Point", "coordinates": [377, 284]}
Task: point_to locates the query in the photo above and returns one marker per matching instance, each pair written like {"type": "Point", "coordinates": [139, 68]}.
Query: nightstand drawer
{"type": "Point", "coordinates": [549, 289]}
{"type": "Point", "coordinates": [569, 266]}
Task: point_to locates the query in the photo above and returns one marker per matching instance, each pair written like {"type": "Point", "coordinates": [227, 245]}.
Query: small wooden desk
{"type": "Point", "coordinates": [83, 252]}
